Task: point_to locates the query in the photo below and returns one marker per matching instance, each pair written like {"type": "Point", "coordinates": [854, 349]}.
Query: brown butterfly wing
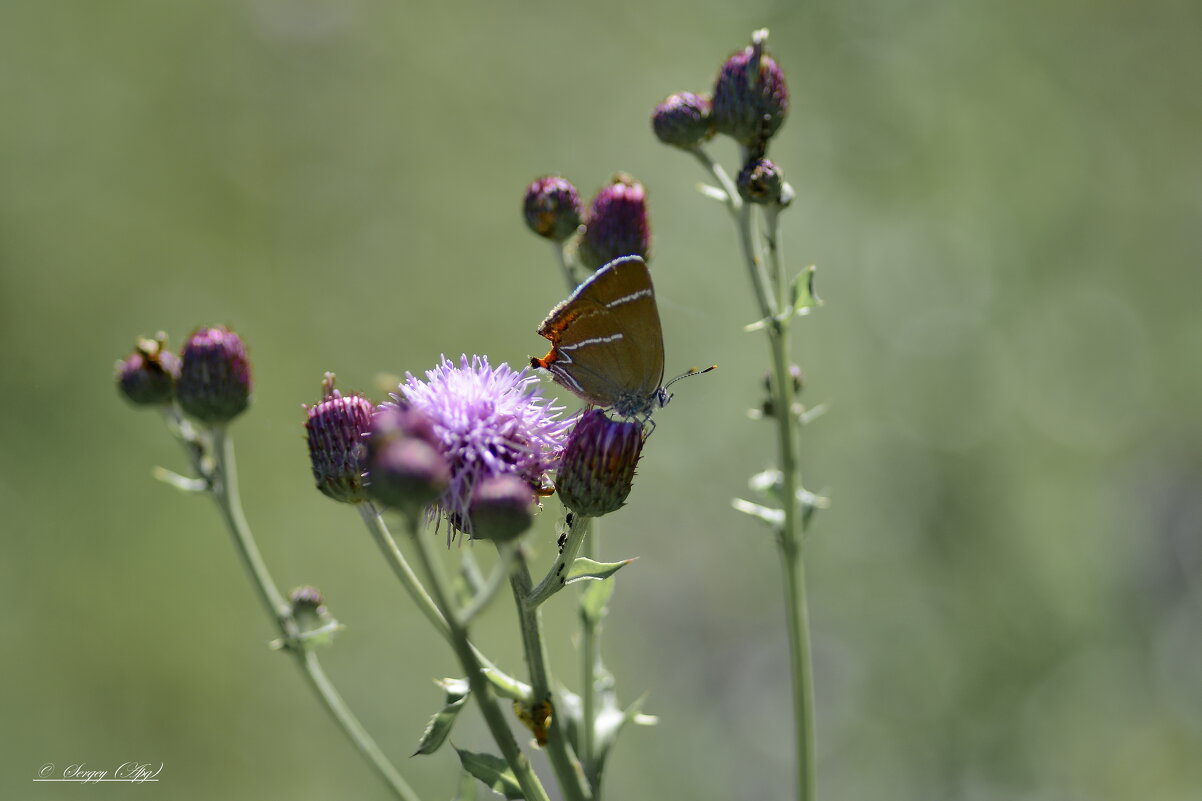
{"type": "Point", "coordinates": [607, 343]}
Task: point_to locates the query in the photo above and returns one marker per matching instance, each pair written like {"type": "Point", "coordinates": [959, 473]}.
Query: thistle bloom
{"type": "Point", "coordinates": [488, 422]}
{"type": "Point", "coordinates": [597, 469]}
{"type": "Point", "coordinates": [617, 224]}
{"type": "Point", "coordinates": [683, 120]}
{"type": "Point", "coordinates": [337, 452]}
{"type": "Point", "coordinates": [552, 208]}
{"type": "Point", "coordinates": [214, 380]}
{"type": "Point", "coordinates": [750, 95]}
{"type": "Point", "coordinates": [147, 376]}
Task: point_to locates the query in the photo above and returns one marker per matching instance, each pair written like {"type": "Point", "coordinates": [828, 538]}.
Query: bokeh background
{"type": "Point", "coordinates": [1002, 199]}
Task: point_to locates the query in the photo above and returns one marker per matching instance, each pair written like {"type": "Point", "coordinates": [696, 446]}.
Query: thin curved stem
{"type": "Point", "coordinates": [589, 657]}
{"type": "Point", "coordinates": [567, 768]}
{"type": "Point", "coordinates": [225, 495]}
{"type": "Point", "coordinates": [413, 585]}
{"type": "Point", "coordinates": [482, 690]}
{"type": "Point", "coordinates": [553, 582]}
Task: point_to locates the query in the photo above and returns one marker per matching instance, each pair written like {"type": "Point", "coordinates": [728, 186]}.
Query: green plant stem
{"type": "Point", "coordinates": [413, 586]}
{"type": "Point", "coordinates": [567, 768]}
{"type": "Point", "coordinates": [589, 656]}
{"type": "Point", "coordinates": [225, 495]}
{"type": "Point", "coordinates": [482, 689]}
{"type": "Point", "coordinates": [553, 582]}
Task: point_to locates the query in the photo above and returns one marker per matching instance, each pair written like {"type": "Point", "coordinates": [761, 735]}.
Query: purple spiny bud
{"type": "Point", "coordinates": [616, 224]}
{"type": "Point", "coordinates": [762, 182]}
{"type": "Point", "coordinates": [683, 120]}
{"type": "Point", "coordinates": [214, 380]}
{"type": "Point", "coordinates": [405, 468]}
{"type": "Point", "coordinates": [552, 208]}
{"type": "Point", "coordinates": [337, 451]}
{"type": "Point", "coordinates": [750, 95]}
{"type": "Point", "coordinates": [147, 376]}
{"type": "Point", "coordinates": [502, 508]}
{"type": "Point", "coordinates": [597, 467]}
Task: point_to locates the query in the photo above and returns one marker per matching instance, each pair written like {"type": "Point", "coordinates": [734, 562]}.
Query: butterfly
{"type": "Point", "coordinates": [607, 345]}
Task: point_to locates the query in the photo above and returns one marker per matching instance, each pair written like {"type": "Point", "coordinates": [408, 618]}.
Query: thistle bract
{"type": "Point", "coordinates": [617, 224]}
{"type": "Point", "coordinates": [214, 381]}
{"type": "Point", "coordinates": [597, 469]}
{"type": "Point", "coordinates": [761, 181]}
{"type": "Point", "coordinates": [552, 208]}
{"type": "Point", "coordinates": [337, 450]}
{"type": "Point", "coordinates": [487, 422]}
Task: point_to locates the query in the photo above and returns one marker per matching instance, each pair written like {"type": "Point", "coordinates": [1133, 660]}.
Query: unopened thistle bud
{"type": "Point", "coordinates": [147, 376]}
{"type": "Point", "coordinates": [762, 182]}
{"type": "Point", "coordinates": [214, 380]}
{"type": "Point", "coordinates": [502, 508]}
{"type": "Point", "coordinates": [750, 95]}
{"type": "Point", "coordinates": [405, 469]}
{"type": "Point", "coordinates": [315, 625]}
{"type": "Point", "coordinates": [616, 224]}
{"type": "Point", "coordinates": [337, 449]}
{"type": "Point", "coordinates": [552, 208]}
{"type": "Point", "coordinates": [597, 468]}
{"type": "Point", "coordinates": [683, 120]}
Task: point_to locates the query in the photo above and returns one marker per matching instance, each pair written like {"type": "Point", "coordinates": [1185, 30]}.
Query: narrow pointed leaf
{"type": "Point", "coordinates": [773, 517]}
{"type": "Point", "coordinates": [443, 721]}
{"type": "Point", "coordinates": [802, 292]}
{"type": "Point", "coordinates": [492, 771]}
{"type": "Point", "coordinates": [583, 569]}
{"type": "Point", "coordinates": [713, 193]}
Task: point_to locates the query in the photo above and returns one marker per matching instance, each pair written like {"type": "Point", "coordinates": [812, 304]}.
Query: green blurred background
{"type": "Point", "coordinates": [1003, 202]}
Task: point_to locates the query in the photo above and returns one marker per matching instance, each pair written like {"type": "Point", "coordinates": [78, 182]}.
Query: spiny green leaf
{"type": "Point", "coordinates": [802, 294]}
{"type": "Point", "coordinates": [583, 569]}
{"type": "Point", "coordinates": [440, 725]}
{"type": "Point", "coordinates": [492, 771]}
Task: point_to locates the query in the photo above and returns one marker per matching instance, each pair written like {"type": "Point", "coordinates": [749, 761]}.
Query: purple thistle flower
{"type": "Point", "coordinates": [751, 98]}
{"type": "Point", "coordinates": [552, 208]}
{"type": "Point", "coordinates": [616, 224]}
{"type": "Point", "coordinates": [683, 120]}
{"type": "Point", "coordinates": [337, 452]}
{"type": "Point", "coordinates": [488, 422]}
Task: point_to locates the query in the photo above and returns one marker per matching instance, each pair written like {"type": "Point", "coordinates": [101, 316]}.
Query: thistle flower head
{"type": "Point", "coordinates": [214, 379]}
{"type": "Point", "coordinates": [337, 451]}
{"type": "Point", "coordinates": [552, 208]}
{"type": "Point", "coordinates": [750, 95]}
{"type": "Point", "coordinates": [487, 422]}
{"type": "Point", "coordinates": [683, 120]}
{"type": "Point", "coordinates": [405, 469]}
{"type": "Point", "coordinates": [597, 469]}
{"type": "Point", "coordinates": [616, 224]}
{"type": "Point", "coordinates": [147, 376]}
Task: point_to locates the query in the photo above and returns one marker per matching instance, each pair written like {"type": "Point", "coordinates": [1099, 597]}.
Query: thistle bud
{"type": "Point", "coordinates": [315, 625]}
{"type": "Point", "coordinates": [597, 468]}
{"type": "Point", "coordinates": [750, 95]}
{"type": "Point", "coordinates": [337, 451]}
{"type": "Point", "coordinates": [761, 181]}
{"type": "Point", "coordinates": [214, 380]}
{"type": "Point", "coordinates": [552, 208]}
{"type": "Point", "coordinates": [147, 376]}
{"type": "Point", "coordinates": [405, 469]}
{"type": "Point", "coordinates": [502, 508]}
{"type": "Point", "coordinates": [683, 120]}
{"type": "Point", "coordinates": [616, 224]}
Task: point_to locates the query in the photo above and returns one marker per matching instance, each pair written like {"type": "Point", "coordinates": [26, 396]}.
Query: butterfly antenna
{"type": "Point", "coordinates": [692, 371]}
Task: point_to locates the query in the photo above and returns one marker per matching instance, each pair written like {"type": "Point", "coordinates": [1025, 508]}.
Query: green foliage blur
{"type": "Point", "coordinates": [1002, 201]}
